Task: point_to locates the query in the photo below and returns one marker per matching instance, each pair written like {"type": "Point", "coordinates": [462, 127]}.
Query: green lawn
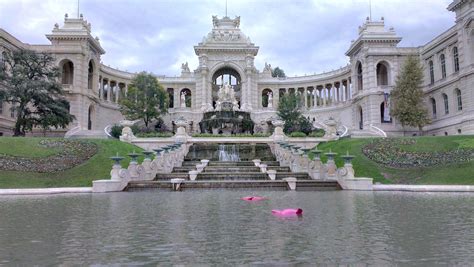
{"type": "Point", "coordinates": [97, 167]}
{"type": "Point", "coordinates": [462, 173]}
{"type": "Point", "coordinates": [25, 147]}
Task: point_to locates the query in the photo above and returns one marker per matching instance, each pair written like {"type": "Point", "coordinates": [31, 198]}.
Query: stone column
{"type": "Point", "coordinates": [204, 105]}
{"type": "Point", "coordinates": [323, 91]}
{"type": "Point", "coordinates": [100, 87]}
{"type": "Point", "coordinates": [305, 95]}
{"type": "Point", "coordinates": [109, 91]}
{"type": "Point", "coordinates": [117, 92]}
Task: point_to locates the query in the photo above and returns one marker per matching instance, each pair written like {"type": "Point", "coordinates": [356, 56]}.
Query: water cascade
{"type": "Point", "coordinates": [228, 153]}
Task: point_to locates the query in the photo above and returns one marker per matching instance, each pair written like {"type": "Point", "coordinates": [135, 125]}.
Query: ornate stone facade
{"type": "Point", "coordinates": [356, 96]}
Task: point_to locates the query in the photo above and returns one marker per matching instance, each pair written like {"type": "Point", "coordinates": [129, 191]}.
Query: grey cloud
{"type": "Point", "coordinates": [299, 36]}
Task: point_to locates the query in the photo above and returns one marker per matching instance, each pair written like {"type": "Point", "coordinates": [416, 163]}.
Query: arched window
{"type": "Point", "coordinates": [458, 98]}
{"type": "Point", "coordinates": [446, 104]}
{"type": "Point", "coordinates": [171, 97]}
{"type": "Point", "coordinates": [267, 95]}
{"type": "Point", "coordinates": [432, 79]}
{"type": "Point", "coordinates": [385, 111]}
{"type": "Point", "coordinates": [382, 74]}
{"type": "Point", "coordinates": [433, 107]}
{"type": "Point", "coordinates": [360, 77]}
{"type": "Point", "coordinates": [89, 117]}
{"type": "Point", "coordinates": [361, 118]}
{"type": "Point", "coordinates": [185, 98]}
{"type": "Point", "coordinates": [456, 59]}
{"type": "Point", "coordinates": [90, 75]}
{"type": "Point", "coordinates": [442, 59]}
{"type": "Point", "coordinates": [3, 63]}
{"type": "Point", "coordinates": [67, 74]}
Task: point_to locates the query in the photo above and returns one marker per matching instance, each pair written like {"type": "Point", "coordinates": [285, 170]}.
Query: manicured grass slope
{"type": "Point", "coordinates": [97, 167]}
{"type": "Point", "coordinates": [449, 174]}
{"type": "Point", "coordinates": [24, 147]}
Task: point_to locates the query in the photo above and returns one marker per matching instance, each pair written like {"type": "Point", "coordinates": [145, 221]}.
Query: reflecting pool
{"type": "Point", "coordinates": [216, 227]}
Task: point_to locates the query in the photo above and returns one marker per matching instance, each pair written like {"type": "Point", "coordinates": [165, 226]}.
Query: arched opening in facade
{"type": "Point", "coordinates": [225, 76]}
{"type": "Point", "coordinates": [360, 77]}
{"type": "Point", "coordinates": [433, 107]}
{"type": "Point", "coordinates": [170, 92]}
{"type": "Point", "coordinates": [385, 112]}
{"type": "Point", "coordinates": [267, 98]}
{"type": "Point", "coordinates": [90, 75]}
{"type": "Point", "coordinates": [90, 116]}
{"type": "Point", "coordinates": [185, 98]}
{"type": "Point", "coordinates": [67, 72]}
{"type": "Point", "coordinates": [458, 96]}
{"type": "Point", "coordinates": [382, 73]}
{"type": "Point", "coordinates": [360, 118]}
{"type": "Point", "coordinates": [3, 63]}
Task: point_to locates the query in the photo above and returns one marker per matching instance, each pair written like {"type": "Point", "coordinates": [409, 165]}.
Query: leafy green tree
{"type": "Point", "coordinates": [289, 112]}
{"type": "Point", "coordinates": [277, 72]}
{"type": "Point", "coordinates": [407, 96]}
{"type": "Point", "coordinates": [30, 84]}
{"type": "Point", "coordinates": [145, 100]}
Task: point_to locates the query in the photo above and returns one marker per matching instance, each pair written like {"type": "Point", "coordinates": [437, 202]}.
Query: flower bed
{"type": "Point", "coordinates": [71, 153]}
{"type": "Point", "coordinates": [390, 152]}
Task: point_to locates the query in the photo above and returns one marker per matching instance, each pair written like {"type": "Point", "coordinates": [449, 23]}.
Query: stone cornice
{"type": "Point", "coordinates": [356, 45]}
{"type": "Point", "coordinates": [456, 4]}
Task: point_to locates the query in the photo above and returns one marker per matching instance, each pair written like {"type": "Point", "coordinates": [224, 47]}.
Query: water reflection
{"type": "Point", "coordinates": [216, 227]}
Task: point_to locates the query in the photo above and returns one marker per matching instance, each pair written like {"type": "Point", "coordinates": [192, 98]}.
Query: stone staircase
{"type": "Point", "coordinates": [238, 174]}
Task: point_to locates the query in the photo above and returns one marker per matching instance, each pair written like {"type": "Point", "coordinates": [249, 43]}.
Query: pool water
{"type": "Point", "coordinates": [216, 227]}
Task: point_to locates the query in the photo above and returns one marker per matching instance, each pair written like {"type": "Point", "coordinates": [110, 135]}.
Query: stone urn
{"type": "Point", "coordinates": [278, 134]}
{"type": "Point", "coordinates": [331, 129]}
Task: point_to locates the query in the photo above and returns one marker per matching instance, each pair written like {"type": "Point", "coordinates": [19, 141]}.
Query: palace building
{"type": "Point", "coordinates": [356, 96]}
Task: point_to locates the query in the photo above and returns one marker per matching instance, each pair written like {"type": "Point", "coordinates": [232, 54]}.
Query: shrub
{"type": "Point", "coordinates": [233, 135]}
{"type": "Point", "coordinates": [154, 134]}
{"type": "Point", "coordinates": [116, 131]}
{"type": "Point", "coordinates": [317, 133]}
{"type": "Point", "coordinates": [297, 134]}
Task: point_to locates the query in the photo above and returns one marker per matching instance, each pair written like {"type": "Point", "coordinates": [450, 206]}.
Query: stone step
{"type": "Point", "coordinates": [228, 163]}
{"type": "Point", "coordinates": [301, 185]}
{"type": "Point", "coordinates": [230, 169]}
{"type": "Point", "coordinates": [297, 175]}
{"type": "Point", "coordinates": [232, 176]}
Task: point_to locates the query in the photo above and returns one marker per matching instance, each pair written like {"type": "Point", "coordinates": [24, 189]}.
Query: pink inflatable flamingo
{"type": "Point", "coordinates": [253, 198]}
{"type": "Point", "coordinates": [288, 212]}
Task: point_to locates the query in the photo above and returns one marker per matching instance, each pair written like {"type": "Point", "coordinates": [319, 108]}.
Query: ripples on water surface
{"type": "Point", "coordinates": [216, 227]}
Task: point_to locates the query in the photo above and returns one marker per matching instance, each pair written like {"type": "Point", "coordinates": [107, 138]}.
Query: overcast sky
{"type": "Point", "coordinates": [300, 36]}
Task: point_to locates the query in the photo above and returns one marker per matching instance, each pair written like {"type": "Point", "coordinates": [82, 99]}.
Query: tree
{"type": "Point", "coordinates": [30, 84]}
{"type": "Point", "coordinates": [146, 99]}
{"type": "Point", "coordinates": [289, 111]}
{"type": "Point", "coordinates": [407, 96]}
{"type": "Point", "coordinates": [277, 72]}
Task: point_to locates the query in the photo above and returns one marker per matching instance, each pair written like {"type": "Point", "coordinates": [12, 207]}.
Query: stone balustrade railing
{"type": "Point", "coordinates": [297, 159]}
{"type": "Point", "coordinates": [165, 159]}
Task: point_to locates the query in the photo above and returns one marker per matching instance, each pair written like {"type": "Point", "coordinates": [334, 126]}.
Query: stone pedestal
{"type": "Point", "coordinates": [272, 174]}
{"type": "Point", "coordinates": [291, 182]}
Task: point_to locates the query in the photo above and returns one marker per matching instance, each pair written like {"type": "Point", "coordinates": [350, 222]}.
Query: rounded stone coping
{"type": "Point", "coordinates": [46, 191]}
{"type": "Point", "coordinates": [423, 188]}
